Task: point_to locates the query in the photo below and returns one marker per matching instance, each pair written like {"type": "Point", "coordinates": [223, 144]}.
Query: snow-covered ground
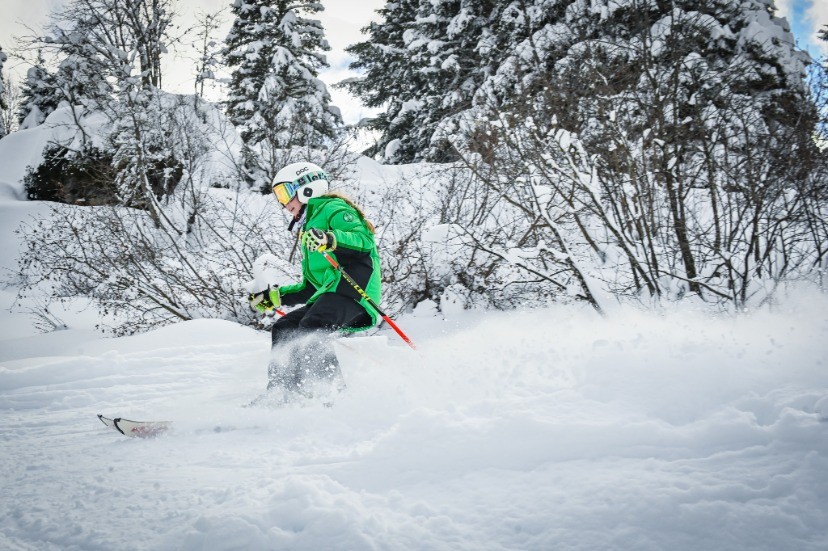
{"type": "Point", "coordinates": [546, 429]}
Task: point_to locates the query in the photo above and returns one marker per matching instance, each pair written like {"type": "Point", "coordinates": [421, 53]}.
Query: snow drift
{"type": "Point", "coordinates": [532, 430]}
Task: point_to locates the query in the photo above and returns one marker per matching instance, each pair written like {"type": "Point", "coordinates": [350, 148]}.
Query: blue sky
{"type": "Point", "coordinates": [806, 18]}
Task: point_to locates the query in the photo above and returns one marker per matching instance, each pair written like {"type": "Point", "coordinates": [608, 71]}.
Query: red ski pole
{"type": "Point", "coordinates": [364, 295]}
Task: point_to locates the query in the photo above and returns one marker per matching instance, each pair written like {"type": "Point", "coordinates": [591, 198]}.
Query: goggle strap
{"type": "Point", "coordinates": [310, 177]}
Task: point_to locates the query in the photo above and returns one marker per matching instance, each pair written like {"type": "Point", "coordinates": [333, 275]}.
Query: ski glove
{"type": "Point", "coordinates": [318, 240]}
{"type": "Point", "coordinates": [265, 301]}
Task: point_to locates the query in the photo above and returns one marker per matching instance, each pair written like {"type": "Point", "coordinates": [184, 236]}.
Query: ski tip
{"type": "Point", "coordinates": [109, 422]}
{"type": "Point", "coordinates": [140, 429]}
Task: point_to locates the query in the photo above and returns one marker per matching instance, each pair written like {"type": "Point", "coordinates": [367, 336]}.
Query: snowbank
{"type": "Point", "coordinates": [532, 430]}
{"type": "Point", "coordinates": [24, 149]}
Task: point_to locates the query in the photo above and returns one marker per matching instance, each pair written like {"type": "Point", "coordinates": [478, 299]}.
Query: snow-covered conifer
{"type": "Point", "coordinates": [391, 79]}
{"type": "Point", "coordinates": [276, 50]}
{"type": "Point", "coordinates": [422, 63]}
{"type": "Point", "coordinates": [40, 96]}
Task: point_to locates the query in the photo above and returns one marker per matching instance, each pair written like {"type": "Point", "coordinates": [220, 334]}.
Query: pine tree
{"type": "Point", "coordinates": [391, 80]}
{"type": "Point", "coordinates": [40, 96]}
{"type": "Point", "coordinates": [583, 53]}
{"type": "Point", "coordinates": [276, 97]}
{"type": "Point", "coordinates": [423, 63]}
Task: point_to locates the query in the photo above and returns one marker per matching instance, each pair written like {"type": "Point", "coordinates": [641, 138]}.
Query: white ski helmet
{"type": "Point", "coordinates": [306, 180]}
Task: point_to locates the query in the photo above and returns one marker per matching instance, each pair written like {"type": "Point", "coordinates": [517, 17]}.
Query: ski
{"type": "Point", "coordinates": [135, 429]}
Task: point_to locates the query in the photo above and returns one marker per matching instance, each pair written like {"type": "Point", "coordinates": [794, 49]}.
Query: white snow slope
{"type": "Point", "coordinates": [547, 429]}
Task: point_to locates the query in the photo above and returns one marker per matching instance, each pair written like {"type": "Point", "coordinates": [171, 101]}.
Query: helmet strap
{"type": "Point", "coordinates": [290, 229]}
{"type": "Point", "coordinates": [298, 217]}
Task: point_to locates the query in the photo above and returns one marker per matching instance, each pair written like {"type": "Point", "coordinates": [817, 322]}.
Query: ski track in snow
{"type": "Point", "coordinates": [549, 429]}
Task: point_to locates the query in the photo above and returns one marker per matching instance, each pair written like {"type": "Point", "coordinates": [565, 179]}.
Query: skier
{"type": "Point", "coordinates": [301, 350]}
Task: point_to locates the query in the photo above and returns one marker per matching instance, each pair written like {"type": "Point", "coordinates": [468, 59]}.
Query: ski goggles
{"type": "Point", "coordinates": [285, 191]}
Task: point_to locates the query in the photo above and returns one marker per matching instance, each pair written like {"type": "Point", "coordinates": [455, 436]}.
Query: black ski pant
{"type": "Point", "coordinates": [301, 350]}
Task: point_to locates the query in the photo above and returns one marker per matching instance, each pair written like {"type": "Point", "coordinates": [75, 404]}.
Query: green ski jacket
{"type": "Point", "coordinates": [356, 252]}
